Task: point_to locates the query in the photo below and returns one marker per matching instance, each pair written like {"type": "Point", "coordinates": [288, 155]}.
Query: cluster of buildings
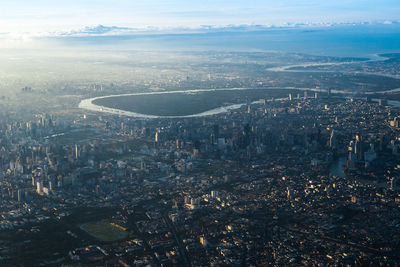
{"type": "Point", "coordinates": [287, 182]}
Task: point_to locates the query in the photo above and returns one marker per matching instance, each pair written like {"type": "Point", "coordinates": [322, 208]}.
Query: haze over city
{"type": "Point", "coordinates": [209, 133]}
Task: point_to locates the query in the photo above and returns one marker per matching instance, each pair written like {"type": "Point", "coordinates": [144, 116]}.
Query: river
{"type": "Point", "coordinates": [89, 105]}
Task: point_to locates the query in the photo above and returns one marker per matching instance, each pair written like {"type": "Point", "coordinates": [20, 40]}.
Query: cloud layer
{"type": "Point", "coordinates": [28, 16]}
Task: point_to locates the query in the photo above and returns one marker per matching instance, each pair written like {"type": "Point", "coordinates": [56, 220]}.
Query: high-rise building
{"type": "Point", "coordinates": [20, 195]}
{"type": "Point", "coordinates": [214, 194]}
{"type": "Point", "coordinates": [332, 140]}
{"type": "Point", "coordinates": [76, 151]}
{"type": "Point", "coordinates": [156, 137]}
{"type": "Point", "coordinates": [394, 183]}
{"type": "Point", "coordinates": [51, 185]}
{"type": "Point", "coordinates": [203, 241]}
{"type": "Point", "coordinates": [39, 187]}
{"type": "Point", "coordinates": [358, 147]}
{"type": "Point", "coordinates": [382, 102]}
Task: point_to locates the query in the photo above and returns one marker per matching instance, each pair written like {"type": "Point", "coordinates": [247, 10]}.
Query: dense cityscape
{"type": "Point", "coordinates": [168, 133]}
{"type": "Point", "coordinates": [305, 179]}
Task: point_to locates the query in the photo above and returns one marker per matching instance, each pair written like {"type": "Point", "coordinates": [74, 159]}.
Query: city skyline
{"type": "Point", "coordinates": [208, 133]}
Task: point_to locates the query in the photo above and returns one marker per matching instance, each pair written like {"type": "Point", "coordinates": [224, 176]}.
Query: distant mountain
{"type": "Point", "coordinates": [118, 31]}
{"type": "Point", "coordinates": [101, 30]}
{"type": "Point", "coordinates": [96, 30]}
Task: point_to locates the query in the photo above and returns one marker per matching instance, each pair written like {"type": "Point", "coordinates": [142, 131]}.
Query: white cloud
{"type": "Point", "coordinates": [21, 16]}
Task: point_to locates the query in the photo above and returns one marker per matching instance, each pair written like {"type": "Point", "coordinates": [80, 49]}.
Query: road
{"type": "Point", "coordinates": [178, 240]}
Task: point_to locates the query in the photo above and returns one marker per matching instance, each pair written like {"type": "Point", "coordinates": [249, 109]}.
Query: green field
{"type": "Point", "coordinates": [104, 231]}
{"type": "Point", "coordinates": [183, 104]}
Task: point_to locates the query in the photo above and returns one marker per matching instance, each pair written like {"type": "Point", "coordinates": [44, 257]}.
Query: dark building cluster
{"type": "Point", "coordinates": [302, 180]}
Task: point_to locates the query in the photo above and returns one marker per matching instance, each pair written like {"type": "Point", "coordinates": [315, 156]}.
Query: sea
{"type": "Point", "coordinates": [342, 40]}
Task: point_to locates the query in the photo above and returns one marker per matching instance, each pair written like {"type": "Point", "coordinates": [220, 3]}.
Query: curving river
{"type": "Point", "coordinates": [88, 104]}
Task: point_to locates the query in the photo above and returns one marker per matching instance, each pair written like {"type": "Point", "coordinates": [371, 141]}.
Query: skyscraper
{"type": "Point", "coordinates": [332, 140]}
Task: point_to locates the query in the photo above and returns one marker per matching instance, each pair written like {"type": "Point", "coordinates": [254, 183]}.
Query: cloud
{"type": "Point", "coordinates": [97, 30]}
{"type": "Point", "coordinates": [101, 30]}
{"type": "Point", "coordinates": [110, 31]}
{"type": "Point", "coordinates": [50, 15]}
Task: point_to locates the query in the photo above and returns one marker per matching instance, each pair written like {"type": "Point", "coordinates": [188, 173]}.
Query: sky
{"type": "Point", "coordinates": [27, 16]}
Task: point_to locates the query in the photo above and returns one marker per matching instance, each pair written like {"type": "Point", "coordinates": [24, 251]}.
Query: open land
{"type": "Point", "coordinates": [182, 104]}
{"type": "Point", "coordinates": [104, 230]}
